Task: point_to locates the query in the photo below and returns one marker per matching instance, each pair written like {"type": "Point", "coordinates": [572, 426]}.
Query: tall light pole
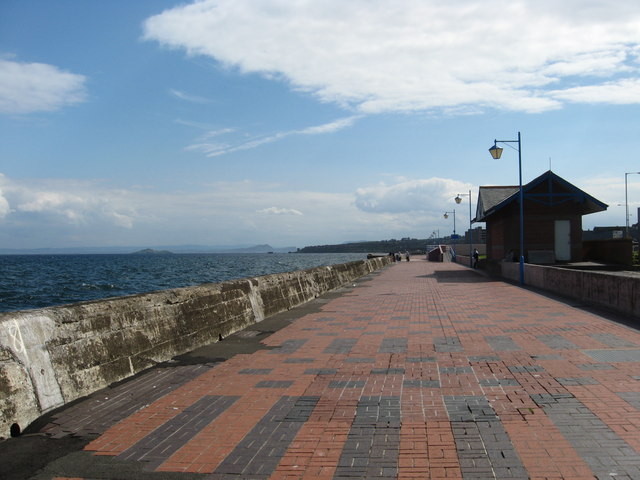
{"type": "Point", "coordinates": [454, 237]}
{"type": "Point", "coordinates": [626, 201]}
{"type": "Point", "coordinates": [496, 152]}
{"type": "Point", "coordinates": [458, 200]}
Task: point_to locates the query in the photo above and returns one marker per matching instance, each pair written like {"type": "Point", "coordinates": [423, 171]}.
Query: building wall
{"type": "Point", "coordinates": [503, 229]}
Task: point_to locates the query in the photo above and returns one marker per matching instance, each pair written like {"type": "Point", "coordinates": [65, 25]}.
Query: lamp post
{"type": "Point", "coordinates": [458, 200]}
{"type": "Point", "coordinates": [446, 215]}
{"type": "Point", "coordinates": [496, 152]}
{"type": "Point", "coordinates": [626, 201]}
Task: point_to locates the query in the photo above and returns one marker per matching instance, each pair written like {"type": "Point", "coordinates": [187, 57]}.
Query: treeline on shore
{"type": "Point", "coordinates": [413, 245]}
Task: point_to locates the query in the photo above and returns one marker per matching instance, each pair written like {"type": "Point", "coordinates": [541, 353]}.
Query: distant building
{"type": "Point", "coordinates": [478, 235]}
{"type": "Point", "coordinates": [553, 210]}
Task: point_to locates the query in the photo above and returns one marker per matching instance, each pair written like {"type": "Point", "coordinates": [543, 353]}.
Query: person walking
{"type": "Point", "coordinates": [476, 256]}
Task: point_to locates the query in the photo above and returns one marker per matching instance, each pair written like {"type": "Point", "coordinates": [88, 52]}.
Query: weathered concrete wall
{"type": "Point", "coordinates": [52, 356]}
{"type": "Point", "coordinates": [613, 290]}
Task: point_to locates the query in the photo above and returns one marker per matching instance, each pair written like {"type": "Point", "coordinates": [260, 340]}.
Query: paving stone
{"type": "Point", "coordinates": [261, 450]}
{"type": "Point", "coordinates": [556, 342]}
{"type": "Point", "coordinates": [424, 370]}
{"type": "Point", "coordinates": [340, 345]}
{"type": "Point", "coordinates": [174, 434]}
{"type": "Point", "coordinates": [600, 447]}
{"type": "Point", "coordinates": [502, 343]}
{"type": "Point", "coordinates": [393, 345]}
{"type": "Point", "coordinates": [612, 356]}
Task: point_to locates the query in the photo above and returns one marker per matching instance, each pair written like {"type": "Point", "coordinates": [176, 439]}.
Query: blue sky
{"type": "Point", "coordinates": [297, 123]}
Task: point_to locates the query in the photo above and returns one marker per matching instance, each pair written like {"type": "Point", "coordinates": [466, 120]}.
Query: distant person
{"type": "Point", "coordinates": [406, 255]}
{"type": "Point", "coordinates": [476, 256]}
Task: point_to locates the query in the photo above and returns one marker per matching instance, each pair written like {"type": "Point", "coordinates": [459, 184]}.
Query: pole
{"type": "Point", "coordinates": [626, 202]}
{"type": "Point", "coordinates": [521, 213]}
{"type": "Point", "coordinates": [470, 234]}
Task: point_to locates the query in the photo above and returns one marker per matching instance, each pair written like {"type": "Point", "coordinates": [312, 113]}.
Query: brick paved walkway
{"type": "Point", "coordinates": [423, 371]}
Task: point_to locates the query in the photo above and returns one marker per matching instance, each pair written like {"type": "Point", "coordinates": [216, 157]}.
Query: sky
{"type": "Point", "coordinates": [300, 122]}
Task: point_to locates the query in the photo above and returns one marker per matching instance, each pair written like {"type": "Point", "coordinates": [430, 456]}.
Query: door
{"type": "Point", "coordinates": [563, 240]}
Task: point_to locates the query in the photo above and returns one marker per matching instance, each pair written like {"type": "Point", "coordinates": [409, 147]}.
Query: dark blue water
{"type": "Point", "coordinates": [35, 281]}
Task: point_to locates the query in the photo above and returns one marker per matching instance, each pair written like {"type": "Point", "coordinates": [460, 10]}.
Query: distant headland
{"type": "Point", "coordinates": [151, 251]}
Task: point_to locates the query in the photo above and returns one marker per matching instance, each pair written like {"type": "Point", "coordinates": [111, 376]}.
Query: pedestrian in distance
{"type": "Point", "coordinates": [476, 256]}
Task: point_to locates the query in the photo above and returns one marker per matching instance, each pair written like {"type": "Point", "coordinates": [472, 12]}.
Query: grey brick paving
{"type": "Point", "coordinates": [110, 405]}
{"type": "Point", "coordinates": [614, 355]}
{"type": "Point", "coordinates": [409, 383]}
{"type": "Point", "coordinates": [260, 451]}
{"type": "Point", "coordinates": [420, 359]}
{"type": "Point", "coordinates": [447, 344]}
{"type": "Point", "coordinates": [577, 381]}
{"type": "Point", "coordinates": [274, 384]}
{"type": "Point", "coordinates": [484, 358]}
{"type": "Point", "coordinates": [299, 360]}
{"type": "Point", "coordinates": [595, 366]}
{"type": "Point", "coordinates": [321, 371]}
{"type": "Point", "coordinates": [160, 444]}
{"type": "Point", "coordinates": [557, 342]}
{"type": "Point", "coordinates": [373, 443]}
{"type": "Point", "coordinates": [499, 382]}
{"type": "Point", "coordinates": [502, 343]}
{"type": "Point", "coordinates": [393, 345]}
{"type": "Point", "coordinates": [341, 345]}
{"type": "Point", "coordinates": [613, 341]}
{"type": "Point", "coordinates": [387, 371]}
{"type": "Point", "coordinates": [484, 448]}
{"type": "Point", "coordinates": [290, 346]}
{"type": "Point", "coordinates": [632, 398]}
{"type": "Point", "coordinates": [608, 455]}
{"type": "Point", "coordinates": [346, 384]}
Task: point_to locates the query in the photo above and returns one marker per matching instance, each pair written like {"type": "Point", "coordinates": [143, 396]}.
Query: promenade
{"type": "Point", "coordinates": [420, 371]}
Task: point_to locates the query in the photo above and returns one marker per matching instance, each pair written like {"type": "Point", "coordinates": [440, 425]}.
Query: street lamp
{"type": "Point", "coordinates": [496, 152]}
{"type": "Point", "coordinates": [626, 200]}
{"type": "Point", "coordinates": [458, 200]}
{"type": "Point", "coordinates": [446, 215]}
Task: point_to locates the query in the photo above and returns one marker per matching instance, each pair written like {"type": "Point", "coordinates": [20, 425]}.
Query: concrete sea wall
{"type": "Point", "coordinates": [52, 356]}
{"type": "Point", "coordinates": [615, 291]}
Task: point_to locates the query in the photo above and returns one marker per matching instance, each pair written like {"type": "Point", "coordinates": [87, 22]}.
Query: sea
{"type": "Point", "coordinates": [37, 281]}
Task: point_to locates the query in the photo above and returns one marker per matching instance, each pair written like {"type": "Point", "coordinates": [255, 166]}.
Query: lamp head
{"type": "Point", "coordinates": [496, 151]}
{"type": "Point", "coordinates": [458, 199]}
{"type": "Point", "coordinates": [446, 215]}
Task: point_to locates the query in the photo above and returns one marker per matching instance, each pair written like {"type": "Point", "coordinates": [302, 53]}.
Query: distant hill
{"type": "Point", "coordinates": [414, 245]}
{"type": "Point", "coordinates": [264, 248]}
{"type": "Point", "coordinates": [151, 251]}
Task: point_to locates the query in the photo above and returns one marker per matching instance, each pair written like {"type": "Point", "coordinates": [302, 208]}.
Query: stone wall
{"type": "Point", "coordinates": [613, 290]}
{"type": "Point", "coordinates": [52, 356]}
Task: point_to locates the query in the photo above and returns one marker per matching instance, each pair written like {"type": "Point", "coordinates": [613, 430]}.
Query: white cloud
{"type": "Point", "coordinates": [412, 55]}
{"type": "Point", "coordinates": [216, 148]}
{"type": "Point", "coordinates": [433, 195]}
{"type": "Point", "coordinates": [188, 97]}
{"type": "Point", "coordinates": [69, 202]}
{"type": "Point", "coordinates": [5, 209]}
{"type": "Point", "coordinates": [620, 92]}
{"type": "Point", "coordinates": [58, 213]}
{"type": "Point", "coordinates": [37, 87]}
{"type": "Point", "coordinates": [280, 211]}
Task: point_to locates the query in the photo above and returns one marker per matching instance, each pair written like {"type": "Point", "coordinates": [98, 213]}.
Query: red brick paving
{"type": "Point", "coordinates": [423, 333]}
